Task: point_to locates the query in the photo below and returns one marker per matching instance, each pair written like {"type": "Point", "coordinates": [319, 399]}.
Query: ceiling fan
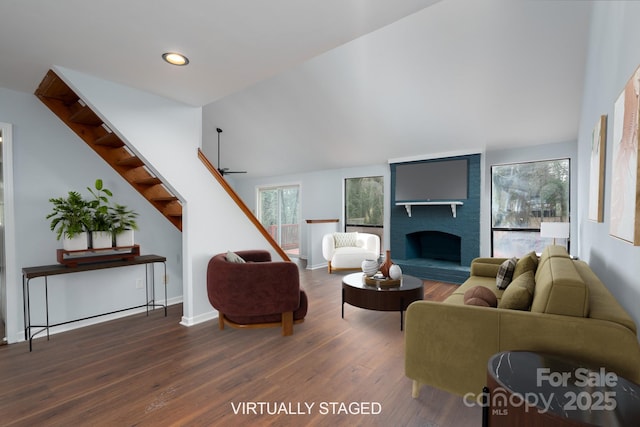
{"type": "Point", "coordinates": [224, 171]}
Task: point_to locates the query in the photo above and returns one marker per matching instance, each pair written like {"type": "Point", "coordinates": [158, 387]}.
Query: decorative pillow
{"type": "Point", "coordinates": [234, 257]}
{"type": "Point", "coordinates": [505, 273]}
{"type": "Point", "coordinates": [345, 239]}
{"type": "Point", "coordinates": [477, 301]}
{"type": "Point", "coordinates": [529, 262]}
{"type": "Point", "coordinates": [482, 293]}
{"type": "Point", "coordinates": [519, 294]}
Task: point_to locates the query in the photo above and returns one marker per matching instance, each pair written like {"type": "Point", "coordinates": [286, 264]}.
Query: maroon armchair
{"type": "Point", "coordinates": [257, 293]}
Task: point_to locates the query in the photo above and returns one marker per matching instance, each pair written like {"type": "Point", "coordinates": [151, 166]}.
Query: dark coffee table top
{"type": "Point", "coordinates": [356, 280]}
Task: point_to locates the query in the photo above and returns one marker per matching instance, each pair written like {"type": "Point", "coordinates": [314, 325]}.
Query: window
{"type": "Point", "coordinates": [279, 213]}
{"type": "Point", "coordinates": [364, 201]}
{"type": "Point", "coordinates": [522, 196]}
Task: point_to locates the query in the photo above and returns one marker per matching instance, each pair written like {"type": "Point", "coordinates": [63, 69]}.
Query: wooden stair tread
{"type": "Point", "coordinates": [152, 180]}
{"type": "Point", "coordinates": [86, 116]}
{"type": "Point", "coordinates": [53, 87]}
{"type": "Point", "coordinates": [110, 140]}
{"type": "Point", "coordinates": [168, 198]}
{"type": "Point", "coordinates": [132, 161]}
{"type": "Point", "coordinates": [89, 127]}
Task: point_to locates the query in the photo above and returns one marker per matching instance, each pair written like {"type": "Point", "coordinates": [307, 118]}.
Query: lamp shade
{"type": "Point", "coordinates": [555, 230]}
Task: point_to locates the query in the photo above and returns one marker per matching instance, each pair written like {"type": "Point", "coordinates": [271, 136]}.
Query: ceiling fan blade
{"type": "Point", "coordinates": [224, 171]}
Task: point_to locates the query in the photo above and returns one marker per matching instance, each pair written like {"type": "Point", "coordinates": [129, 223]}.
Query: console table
{"type": "Point", "coordinates": [45, 271]}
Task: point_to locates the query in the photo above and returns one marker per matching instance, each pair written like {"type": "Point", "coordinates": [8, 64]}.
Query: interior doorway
{"type": "Point", "coordinates": [279, 213]}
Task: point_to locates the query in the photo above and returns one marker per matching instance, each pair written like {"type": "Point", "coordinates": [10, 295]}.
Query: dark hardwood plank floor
{"type": "Point", "coordinates": [150, 371]}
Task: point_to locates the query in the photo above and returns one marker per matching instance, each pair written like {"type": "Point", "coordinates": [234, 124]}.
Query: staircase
{"type": "Point", "coordinates": [68, 106]}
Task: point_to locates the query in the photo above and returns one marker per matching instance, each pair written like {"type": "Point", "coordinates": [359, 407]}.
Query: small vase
{"type": "Point", "coordinates": [395, 272]}
{"type": "Point", "coordinates": [369, 267]}
{"type": "Point", "coordinates": [386, 265]}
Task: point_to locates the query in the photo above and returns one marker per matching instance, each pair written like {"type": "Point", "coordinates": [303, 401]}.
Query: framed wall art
{"type": "Point", "coordinates": [596, 172]}
{"type": "Point", "coordinates": [625, 206]}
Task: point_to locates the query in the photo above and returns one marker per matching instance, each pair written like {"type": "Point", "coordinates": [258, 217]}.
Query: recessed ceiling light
{"type": "Point", "coordinates": [175, 58]}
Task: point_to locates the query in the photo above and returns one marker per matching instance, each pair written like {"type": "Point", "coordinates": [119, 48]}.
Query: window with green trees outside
{"type": "Point", "coordinates": [364, 201]}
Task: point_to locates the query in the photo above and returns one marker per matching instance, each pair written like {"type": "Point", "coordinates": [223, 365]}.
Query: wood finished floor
{"type": "Point", "coordinates": [150, 371]}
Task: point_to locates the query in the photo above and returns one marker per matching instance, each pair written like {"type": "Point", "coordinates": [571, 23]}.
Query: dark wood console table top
{"type": "Point", "coordinates": [45, 271]}
{"type": "Point", "coordinates": [52, 270]}
{"type": "Point", "coordinates": [558, 392]}
{"type": "Point", "coordinates": [357, 293]}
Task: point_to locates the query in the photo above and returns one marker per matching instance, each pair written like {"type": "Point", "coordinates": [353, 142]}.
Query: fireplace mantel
{"type": "Point", "coordinates": [452, 203]}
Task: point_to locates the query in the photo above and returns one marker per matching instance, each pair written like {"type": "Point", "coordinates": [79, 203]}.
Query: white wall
{"type": "Point", "coordinates": [614, 53]}
{"type": "Point", "coordinates": [48, 161]}
{"type": "Point", "coordinates": [322, 193]}
{"type": "Point", "coordinates": [167, 134]}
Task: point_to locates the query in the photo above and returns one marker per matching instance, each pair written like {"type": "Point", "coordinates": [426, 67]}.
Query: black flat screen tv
{"type": "Point", "coordinates": [431, 181]}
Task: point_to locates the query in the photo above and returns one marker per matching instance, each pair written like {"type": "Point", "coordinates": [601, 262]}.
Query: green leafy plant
{"type": "Point", "coordinates": [123, 218]}
{"type": "Point", "coordinates": [101, 217]}
{"type": "Point", "coordinates": [71, 215]}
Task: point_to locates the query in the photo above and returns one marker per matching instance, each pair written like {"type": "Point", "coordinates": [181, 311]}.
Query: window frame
{"type": "Point", "coordinates": [346, 204]}
{"type": "Point", "coordinates": [540, 241]}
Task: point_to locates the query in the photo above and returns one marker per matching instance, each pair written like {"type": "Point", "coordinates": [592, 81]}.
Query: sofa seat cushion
{"type": "Point", "coordinates": [560, 289]}
{"type": "Point", "coordinates": [349, 256]}
{"type": "Point", "coordinates": [298, 314]}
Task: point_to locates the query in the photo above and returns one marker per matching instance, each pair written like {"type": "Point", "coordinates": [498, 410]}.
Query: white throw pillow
{"type": "Point", "coordinates": [345, 239]}
{"type": "Point", "coordinates": [234, 257]}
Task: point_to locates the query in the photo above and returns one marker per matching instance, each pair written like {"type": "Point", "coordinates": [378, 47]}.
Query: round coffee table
{"type": "Point", "coordinates": [381, 298]}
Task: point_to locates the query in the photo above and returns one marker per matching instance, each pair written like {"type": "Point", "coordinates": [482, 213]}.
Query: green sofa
{"type": "Point", "coordinates": [448, 344]}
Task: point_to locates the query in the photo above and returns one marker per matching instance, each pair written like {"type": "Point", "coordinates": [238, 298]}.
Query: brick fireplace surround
{"type": "Point", "coordinates": [432, 244]}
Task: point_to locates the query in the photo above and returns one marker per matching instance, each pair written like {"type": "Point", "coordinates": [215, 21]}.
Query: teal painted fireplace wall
{"type": "Point", "coordinates": [465, 225]}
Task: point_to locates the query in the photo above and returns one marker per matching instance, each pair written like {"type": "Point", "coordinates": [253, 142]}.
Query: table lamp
{"type": "Point", "coordinates": [554, 230]}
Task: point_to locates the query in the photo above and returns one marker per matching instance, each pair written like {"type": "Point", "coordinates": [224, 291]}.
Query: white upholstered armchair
{"type": "Point", "coordinates": [346, 251]}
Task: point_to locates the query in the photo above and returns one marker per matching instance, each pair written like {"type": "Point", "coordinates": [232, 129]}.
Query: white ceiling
{"type": "Point", "coordinates": [307, 85]}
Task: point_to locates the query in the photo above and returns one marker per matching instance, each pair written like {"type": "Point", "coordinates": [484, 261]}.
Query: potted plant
{"type": "Point", "coordinates": [69, 219]}
{"type": "Point", "coordinates": [124, 222]}
{"type": "Point", "coordinates": [101, 224]}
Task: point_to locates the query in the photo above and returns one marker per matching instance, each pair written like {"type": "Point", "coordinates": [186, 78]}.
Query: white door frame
{"type": "Point", "coordinates": [10, 291]}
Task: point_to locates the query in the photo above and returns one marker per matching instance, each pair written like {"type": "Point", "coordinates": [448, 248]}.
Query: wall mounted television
{"type": "Point", "coordinates": [431, 180]}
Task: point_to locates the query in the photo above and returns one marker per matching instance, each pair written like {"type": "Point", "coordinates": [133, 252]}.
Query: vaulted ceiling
{"type": "Point", "coordinates": [301, 85]}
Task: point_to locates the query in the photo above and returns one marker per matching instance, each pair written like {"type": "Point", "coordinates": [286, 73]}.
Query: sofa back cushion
{"type": "Point", "coordinates": [560, 289]}
{"type": "Point", "coordinates": [549, 252]}
{"type": "Point", "coordinates": [602, 304]}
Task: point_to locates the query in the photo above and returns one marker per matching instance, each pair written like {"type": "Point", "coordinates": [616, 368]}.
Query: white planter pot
{"type": "Point", "coordinates": [125, 238]}
{"type": "Point", "coordinates": [102, 239]}
{"type": "Point", "coordinates": [79, 242]}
